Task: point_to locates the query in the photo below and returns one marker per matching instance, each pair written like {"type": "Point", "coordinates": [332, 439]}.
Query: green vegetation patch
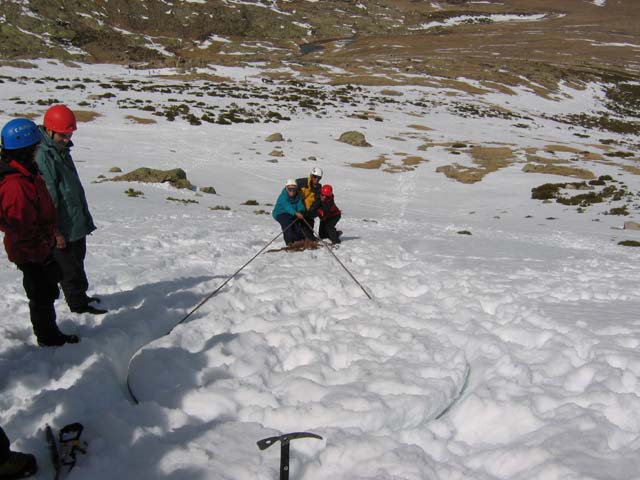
{"type": "Point", "coordinates": [185, 201]}
{"type": "Point", "coordinates": [130, 192]}
{"type": "Point", "coordinates": [176, 177]}
{"type": "Point", "coordinates": [629, 243]}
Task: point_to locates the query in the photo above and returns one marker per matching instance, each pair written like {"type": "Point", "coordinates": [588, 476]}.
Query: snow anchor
{"type": "Point", "coordinates": [284, 448]}
{"type": "Point", "coordinates": [338, 260]}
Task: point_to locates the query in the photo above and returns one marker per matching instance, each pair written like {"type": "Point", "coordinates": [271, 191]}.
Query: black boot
{"type": "Point", "coordinates": [58, 341]}
{"type": "Point", "coordinates": [43, 319]}
{"type": "Point", "coordinates": [18, 465]}
{"type": "Point", "coordinates": [89, 309]}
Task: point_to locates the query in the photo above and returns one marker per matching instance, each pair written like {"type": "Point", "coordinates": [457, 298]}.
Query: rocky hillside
{"type": "Point", "coordinates": [539, 42]}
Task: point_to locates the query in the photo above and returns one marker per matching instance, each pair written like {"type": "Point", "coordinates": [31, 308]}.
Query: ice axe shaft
{"type": "Point", "coordinates": [285, 440]}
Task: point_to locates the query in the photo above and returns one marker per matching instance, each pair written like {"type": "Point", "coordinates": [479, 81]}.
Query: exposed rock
{"type": "Point", "coordinates": [176, 177]}
{"type": "Point", "coordinates": [115, 170]}
{"type": "Point", "coordinates": [275, 137]}
{"type": "Point", "coordinates": [629, 225]}
{"type": "Point", "coordinates": [356, 139]}
{"type": "Point", "coordinates": [210, 190]}
{"type": "Point", "coordinates": [277, 153]}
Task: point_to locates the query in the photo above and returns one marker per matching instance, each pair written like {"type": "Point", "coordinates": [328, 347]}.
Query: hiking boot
{"type": "Point", "coordinates": [339, 233]}
{"type": "Point", "coordinates": [18, 465]}
{"type": "Point", "coordinates": [310, 244]}
{"type": "Point", "coordinates": [89, 309]}
{"type": "Point", "coordinates": [298, 244]}
{"type": "Point", "coordinates": [57, 341]}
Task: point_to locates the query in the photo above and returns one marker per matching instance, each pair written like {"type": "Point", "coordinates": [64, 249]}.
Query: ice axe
{"type": "Point", "coordinates": [284, 448]}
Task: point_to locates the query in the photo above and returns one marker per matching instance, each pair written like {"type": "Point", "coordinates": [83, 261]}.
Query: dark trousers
{"type": "Point", "coordinates": [4, 446]}
{"type": "Point", "coordinates": [328, 229]}
{"type": "Point", "coordinates": [74, 281]}
{"type": "Point", "coordinates": [40, 283]}
{"type": "Point", "coordinates": [292, 233]}
{"type": "Point", "coordinates": [307, 227]}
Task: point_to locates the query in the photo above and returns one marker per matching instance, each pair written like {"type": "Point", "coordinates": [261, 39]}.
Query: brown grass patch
{"type": "Point", "coordinates": [365, 80]}
{"type": "Point", "coordinates": [498, 87]}
{"type": "Point", "coordinates": [192, 77]}
{"type": "Point", "coordinates": [464, 87]}
{"type": "Point", "coordinates": [491, 155]}
{"type": "Point", "coordinates": [545, 161]}
{"type": "Point", "coordinates": [463, 174]}
{"type": "Point", "coordinates": [600, 146]}
{"type": "Point", "coordinates": [397, 169]}
{"type": "Point", "coordinates": [29, 115]}
{"type": "Point", "coordinates": [561, 148]}
{"type": "Point", "coordinates": [413, 160]}
{"type": "Point", "coordinates": [422, 128]}
{"type": "Point", "coordinates": [85, 116]}
{"type": "Point", "coordinates": [488, 159]}
{"type": "Point", "coordinates": [141, 120]}
{"type": "Point", "coordinates": [631, 169]}
{"type": "Point", "coordinates": [559, 170]}
{"type": "Point", "coordinates": [371, 164]}
{"type": "Point", "coordinates": [584, 154]}
{"type": "Point", "coordinates": [17, 64]}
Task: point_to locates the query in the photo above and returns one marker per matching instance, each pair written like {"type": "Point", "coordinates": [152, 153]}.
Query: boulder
{"type": "Point", "coordinates": [275, 137]}
{"type": "Point", "coordinates": [356, 139]}
{"type": "Point", "coordinates": [629, 225]}
{"type": "Point", "coordinates": [176, 177]}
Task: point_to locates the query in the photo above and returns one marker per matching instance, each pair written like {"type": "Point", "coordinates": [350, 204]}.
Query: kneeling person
{"type": "Point", "coordinates": [287, 210]}
{"type": "Point", "coordinates": [329, 215]}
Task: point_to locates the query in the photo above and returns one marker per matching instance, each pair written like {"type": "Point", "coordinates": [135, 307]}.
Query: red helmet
{"type": "Point", "coordinates": [60, 119]}
{"type": "Point", "coordinates": [326, 190]}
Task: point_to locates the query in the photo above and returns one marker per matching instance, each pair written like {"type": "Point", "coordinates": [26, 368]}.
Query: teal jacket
{"type": "Point", "coordinates": [63, 183]}
{"type": "Point", "coordinates": [286, 204]}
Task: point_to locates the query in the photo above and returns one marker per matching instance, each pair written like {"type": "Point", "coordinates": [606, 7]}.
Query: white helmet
{"type": "Point", "coordinates": [316, 171]}
{"type": "Point", "coordinates": [290, 181]}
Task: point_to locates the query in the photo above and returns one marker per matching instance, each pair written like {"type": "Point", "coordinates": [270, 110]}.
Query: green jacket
{"type": "Point", "coordinates": [63, 182]}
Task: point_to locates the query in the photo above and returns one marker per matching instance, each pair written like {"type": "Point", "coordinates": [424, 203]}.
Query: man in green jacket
{"type": "Point", "coordinates": [74, 220]}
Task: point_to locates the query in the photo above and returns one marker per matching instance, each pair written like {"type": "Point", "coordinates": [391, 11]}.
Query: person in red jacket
{"type": "Point", "coordinates": [28, 220]}
{"type": "Point", "coordinates": [329, 215]}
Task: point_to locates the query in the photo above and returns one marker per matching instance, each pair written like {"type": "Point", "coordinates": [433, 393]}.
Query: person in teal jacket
{"type": "Point", "coordinates": [74, 219]}
{"type": "Point", "coordinates": [288, 208]}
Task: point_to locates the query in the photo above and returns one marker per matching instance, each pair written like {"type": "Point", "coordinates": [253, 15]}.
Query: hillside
{"type": "Point", "coordinates": [510, 42]}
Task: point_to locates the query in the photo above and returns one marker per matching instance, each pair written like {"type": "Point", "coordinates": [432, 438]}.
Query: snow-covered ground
{"type": "Point", "coordinates": [511, 353]}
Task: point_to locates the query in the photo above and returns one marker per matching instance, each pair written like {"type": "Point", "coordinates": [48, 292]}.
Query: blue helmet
{"type": "Point", "coordinates": [19, 133]}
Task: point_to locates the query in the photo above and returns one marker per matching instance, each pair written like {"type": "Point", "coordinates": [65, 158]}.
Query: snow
{"type": "Point", "coordinates": [510, 353]}
{"type": "Point", "coordinates": [465, 19]}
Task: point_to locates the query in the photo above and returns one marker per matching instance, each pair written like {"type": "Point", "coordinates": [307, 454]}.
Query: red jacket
{"type": "Point", "coordinates": [27, 214]}
{"type": "Point", "coordinates": [328, 208]}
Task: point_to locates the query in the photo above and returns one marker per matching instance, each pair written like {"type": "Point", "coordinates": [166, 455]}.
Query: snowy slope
{"type": "Point", "coordinates": [507, 354]}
